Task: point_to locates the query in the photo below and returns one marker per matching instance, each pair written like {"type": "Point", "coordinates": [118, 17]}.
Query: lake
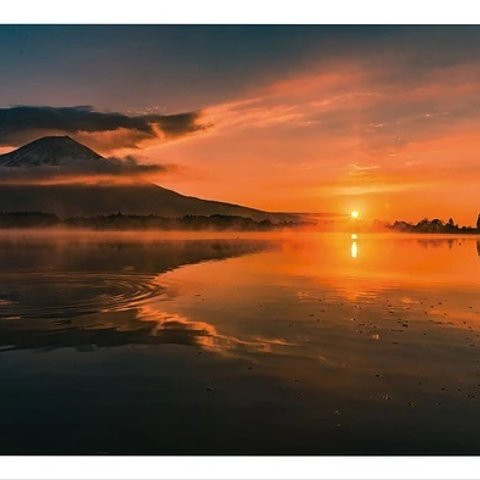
{"type": "Point", "coordinates": [281, 343]}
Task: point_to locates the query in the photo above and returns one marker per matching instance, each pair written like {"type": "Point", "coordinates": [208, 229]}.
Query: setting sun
{"type": "Point", "coordinates": [354, 214]}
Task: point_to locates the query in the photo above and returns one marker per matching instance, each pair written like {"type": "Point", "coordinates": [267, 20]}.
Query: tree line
{"type": "Point", "coordinates": [119, 221]}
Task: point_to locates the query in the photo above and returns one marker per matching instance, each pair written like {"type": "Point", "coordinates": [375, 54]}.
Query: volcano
{"type": "Point", "coordinates": [64, 154]}
{"type": "Point", "coordinates": [52, 151]}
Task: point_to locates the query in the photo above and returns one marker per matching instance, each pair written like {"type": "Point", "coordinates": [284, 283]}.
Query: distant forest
{"type": "Point", "coordinates": [121, 221]}
{"type": "Point", "coordinates": [433, 226]}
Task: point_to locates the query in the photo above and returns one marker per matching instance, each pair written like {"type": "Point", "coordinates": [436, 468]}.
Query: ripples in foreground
{"type": "Point", "coordinates": [274, 344]}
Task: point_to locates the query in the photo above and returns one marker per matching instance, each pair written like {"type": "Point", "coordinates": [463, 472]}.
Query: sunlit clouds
{"type": "Point", "coordinates": [318, 142]}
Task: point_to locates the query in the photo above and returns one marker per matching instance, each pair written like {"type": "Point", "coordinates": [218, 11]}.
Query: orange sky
{"type": "Point", "coordinates": [305, 119]}
{"type": "Point", "coordinates": [337, 139]}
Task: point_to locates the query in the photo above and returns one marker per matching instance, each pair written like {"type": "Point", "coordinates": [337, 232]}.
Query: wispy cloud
{"type": "Point", "coordinates": [363, 128]}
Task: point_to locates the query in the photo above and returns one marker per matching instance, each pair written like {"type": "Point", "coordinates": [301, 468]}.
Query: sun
{"type": "Point", "coordinates": [354, 214]}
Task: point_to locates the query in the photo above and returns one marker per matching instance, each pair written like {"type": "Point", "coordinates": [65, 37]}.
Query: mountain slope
{"type": "Point", "coordinates": [141, 198]}
{"type": "Point", "coordinates": [144, 199]}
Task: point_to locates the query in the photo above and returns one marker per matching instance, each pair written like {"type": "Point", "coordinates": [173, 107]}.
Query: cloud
{"type": "Point", "coordinates": [20, 124]}
{"type": "Point", "coordinates": [130, 165]}
{"type": "Point", "coordinates": [354, 133]}
{"type": "Point", "coordinates": [383, 109]}
{"type": "Point", "coordinates": [111, 170]}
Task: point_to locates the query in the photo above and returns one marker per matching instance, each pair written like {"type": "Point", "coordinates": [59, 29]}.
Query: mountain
{"type": "Point", "coordinates": [75, 199]}
{"type": "Point", "coordinates": [52, 151]}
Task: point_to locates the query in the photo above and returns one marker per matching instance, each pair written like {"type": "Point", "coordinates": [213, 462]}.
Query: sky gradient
{"type": "Point", "coordinates": [384, 120]}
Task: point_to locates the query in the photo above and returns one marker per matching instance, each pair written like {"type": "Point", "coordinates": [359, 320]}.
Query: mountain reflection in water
{"type": "Point", "coordinates": [65, 292]}
{"type": "Point", "coordinates": [265, 344]}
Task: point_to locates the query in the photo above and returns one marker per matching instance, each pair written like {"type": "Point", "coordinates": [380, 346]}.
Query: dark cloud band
{"type": "Point", "coordinates": [18, 124]}
{"type": "Point", "coordinates": [125, 170]}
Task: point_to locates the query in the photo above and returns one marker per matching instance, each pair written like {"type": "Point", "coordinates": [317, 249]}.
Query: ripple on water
{"type": "Point", "coordinates": [43, 295]}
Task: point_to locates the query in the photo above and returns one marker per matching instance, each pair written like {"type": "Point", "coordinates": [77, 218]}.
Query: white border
{"type": "Point", "coordinates": [258, 12]}
{"type": "Point", "coordinates": [371, 468]}
{"type": "Point", "coordinates": [244, 11]}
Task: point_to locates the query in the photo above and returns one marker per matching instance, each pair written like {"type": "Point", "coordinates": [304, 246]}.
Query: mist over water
{"type": "Point", "coordinates": [267, 343]}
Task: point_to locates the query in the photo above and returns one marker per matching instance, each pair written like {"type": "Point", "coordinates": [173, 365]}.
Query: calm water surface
{"type": "Point", "coordinates": [275, 344]}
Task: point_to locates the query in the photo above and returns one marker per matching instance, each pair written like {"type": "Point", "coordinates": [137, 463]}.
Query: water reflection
{"type": "Point", "coordinates": [275, 344]}
{"type": "Point", "coordinates": [354, 246]}
{"type": "Point", "coordinates": [90, 293]}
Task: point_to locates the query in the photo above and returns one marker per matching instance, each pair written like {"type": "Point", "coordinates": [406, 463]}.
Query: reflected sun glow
{"type": "Point", "coordinates": [354, 249]}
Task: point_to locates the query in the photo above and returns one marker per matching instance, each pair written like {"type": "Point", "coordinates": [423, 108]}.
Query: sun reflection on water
{"type": "Point", "coordinates": [354, 246]}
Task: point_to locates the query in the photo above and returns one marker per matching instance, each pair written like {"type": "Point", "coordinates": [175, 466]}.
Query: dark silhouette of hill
{"type": "Point", "coordinates": [63, 154]}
